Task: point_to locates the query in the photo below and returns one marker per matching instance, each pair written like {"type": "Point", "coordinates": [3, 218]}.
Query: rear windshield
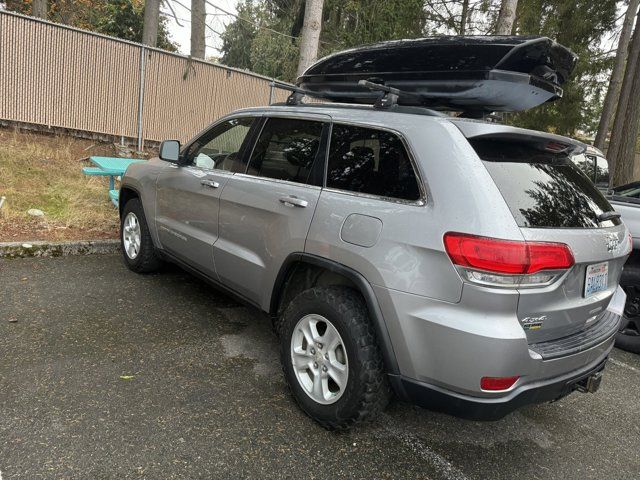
{"type": "Point", "coordinates": [542, 189]}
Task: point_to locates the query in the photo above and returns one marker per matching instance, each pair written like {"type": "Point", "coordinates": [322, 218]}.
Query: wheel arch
{"type": "Point", "coordinates": [127, 192]}
{"type": "Point", "coordinates": [352, 278]}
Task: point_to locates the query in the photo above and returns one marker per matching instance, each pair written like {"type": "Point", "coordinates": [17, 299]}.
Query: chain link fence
{"type": "Point", "coordinates": [57, 76]}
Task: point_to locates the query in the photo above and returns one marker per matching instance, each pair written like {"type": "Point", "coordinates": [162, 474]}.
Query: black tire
{"type": "Point", "coordinates": [628, 338]}
{"type": "Point", "coordinates": [146, 260]}
{"type": "Point", "coordinates": [367, 389]}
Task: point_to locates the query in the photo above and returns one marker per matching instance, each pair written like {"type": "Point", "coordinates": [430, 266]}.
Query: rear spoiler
{"type": "Point", "coordinates": [543, 141]}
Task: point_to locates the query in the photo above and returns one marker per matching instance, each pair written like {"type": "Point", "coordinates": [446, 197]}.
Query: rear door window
{"type": "Point", "coordinates": [288, 149]}
{"type": "Point", "coordinates": [542, 189]}
{"type": "Point", "coordinates": [370, 161]}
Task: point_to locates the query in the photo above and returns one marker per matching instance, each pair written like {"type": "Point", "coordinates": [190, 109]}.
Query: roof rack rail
{"type": "Point", "coordinates": [297, 93]}
{"type": "Point", "coordinates": [388, 97]}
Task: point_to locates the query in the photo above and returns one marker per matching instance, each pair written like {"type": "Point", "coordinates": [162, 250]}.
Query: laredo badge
{"type": "Point", "coordinates": [533, 323]}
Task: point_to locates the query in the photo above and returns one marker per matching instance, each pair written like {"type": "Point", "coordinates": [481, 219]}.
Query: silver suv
{"type": "Point", "coordinates": [466, 266]}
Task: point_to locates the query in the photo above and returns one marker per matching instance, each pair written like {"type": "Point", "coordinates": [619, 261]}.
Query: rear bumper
{"type": "Point", "coordinates": [444, 349]}
{"type": "Point", "coordinates": [487, 409]}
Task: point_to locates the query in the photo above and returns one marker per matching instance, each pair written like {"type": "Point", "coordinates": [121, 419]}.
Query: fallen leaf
{"type": "Point", "coordinates": [126, 377]}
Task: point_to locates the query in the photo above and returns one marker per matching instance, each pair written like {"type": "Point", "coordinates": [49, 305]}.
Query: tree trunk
{"type": "Point", "coordinates": [151, 18]}
{"type": "Point", "coordinates": [198, 18]}
{"type": "Point", "coordinates": [310, 34]}
{"type": "Point", "coordinates": [613, 90]}
{"type": "Point", "coordinates": [621, 153]}
{"type": "Point", "coordinates": [39, 9]}
{"type": "Point", "coordinates": [463, 16]}
{"type": "Point", "coordinates": [507, 17]}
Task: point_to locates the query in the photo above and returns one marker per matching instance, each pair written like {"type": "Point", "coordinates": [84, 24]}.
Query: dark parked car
{"type": "Point", "coordinates": [626, 201]}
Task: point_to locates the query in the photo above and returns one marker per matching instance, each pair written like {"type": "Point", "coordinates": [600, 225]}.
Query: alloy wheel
{"type": "Point", "coordinates": [131, 235]}
{"type": "Point", "coordinates": [319, 359]}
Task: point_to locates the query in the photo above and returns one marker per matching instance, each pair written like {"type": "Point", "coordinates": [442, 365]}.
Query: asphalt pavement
{"type": "Point", "coordinates": [109, 374]}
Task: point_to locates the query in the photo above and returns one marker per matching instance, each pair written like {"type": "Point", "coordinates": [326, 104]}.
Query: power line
{"type": "Point", "coordinates": [173, 13]}
{"type": "Point", "coordinates": [226, 12]}
{"type": "Point", "coordinates": [253, 23]}
{"type": "Point", "coordinates": [249, 21]}
{"type": "Point", "coordinates": [186, 20]}
{"type": "Point", "coordinates": [177, 19]}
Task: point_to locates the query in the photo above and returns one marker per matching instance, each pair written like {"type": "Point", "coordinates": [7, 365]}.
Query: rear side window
{"type": "Point", "coordinates": [542, 189]}
{"type": "Point", "coordinates": [286, 150]}
{"type": "Point", "coordinates": [370, 161]}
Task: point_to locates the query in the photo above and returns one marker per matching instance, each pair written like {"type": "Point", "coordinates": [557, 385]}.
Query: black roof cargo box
{"type": "Point", "coordinates": [482, 74]}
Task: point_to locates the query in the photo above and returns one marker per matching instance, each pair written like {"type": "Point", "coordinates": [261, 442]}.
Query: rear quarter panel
{"type": "Point", "coordinates": [409, 253]}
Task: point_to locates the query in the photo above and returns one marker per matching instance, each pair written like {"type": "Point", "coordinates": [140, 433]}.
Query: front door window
{"type": "Point", "coordinates": [219, 148]}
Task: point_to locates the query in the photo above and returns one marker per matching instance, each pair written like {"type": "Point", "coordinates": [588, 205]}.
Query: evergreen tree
{"type": "Point", "coordinates": [239, 35]}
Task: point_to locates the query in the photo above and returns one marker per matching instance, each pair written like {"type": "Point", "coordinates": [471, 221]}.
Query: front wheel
{"type": "Point", "coordinates": [331, 359]}
{"type": "Point", "coordinates": [135, 239]}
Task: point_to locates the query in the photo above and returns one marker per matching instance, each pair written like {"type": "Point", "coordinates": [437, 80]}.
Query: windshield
{"type": "Point", "coordinates": [542, 189]}
{"type": "Point", "coordinates": [631, 190]}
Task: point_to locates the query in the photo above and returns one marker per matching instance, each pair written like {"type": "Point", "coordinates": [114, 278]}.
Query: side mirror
{"type": "Point", "coordinates": [170, 151]}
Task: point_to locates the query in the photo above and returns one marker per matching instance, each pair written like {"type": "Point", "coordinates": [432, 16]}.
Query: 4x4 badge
{"type": "Point", "coordinates": [533, 323]}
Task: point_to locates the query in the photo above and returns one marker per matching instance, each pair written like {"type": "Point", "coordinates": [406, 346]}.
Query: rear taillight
{"type": "Point", "coordinates": [507, 262]}
{"type": "Point", "coordinates": [498, 383]}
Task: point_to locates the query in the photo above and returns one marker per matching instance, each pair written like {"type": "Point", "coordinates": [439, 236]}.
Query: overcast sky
{"type": "Point", "coordinates": [217, 20]}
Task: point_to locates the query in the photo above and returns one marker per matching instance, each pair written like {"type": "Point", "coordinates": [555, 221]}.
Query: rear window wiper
{"type": "Point", "coordinates": [604, 216]}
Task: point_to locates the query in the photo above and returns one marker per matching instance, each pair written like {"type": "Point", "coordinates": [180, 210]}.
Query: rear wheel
{"type": "Point", "coordinates": [331, 359]}
{"type": "Point", "coordinates": [628, 337]}
{"type": "Point", "coordinates": [135, 239]}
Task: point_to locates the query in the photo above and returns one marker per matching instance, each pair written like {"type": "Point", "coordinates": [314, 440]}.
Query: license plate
{"type": "Point", "coordinates": [596, 279]}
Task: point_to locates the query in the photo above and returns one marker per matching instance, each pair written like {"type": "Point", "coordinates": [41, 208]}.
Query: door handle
{"type": "Point", "coordinates": [209, 183]}
{"type": "Point", "coordinates": [294, 202]}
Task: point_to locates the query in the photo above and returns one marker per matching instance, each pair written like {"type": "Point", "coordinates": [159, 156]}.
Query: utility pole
{"type": "Point", "coordinates": [39, 8]}
{"type": "Point", "coordinates": [506, 17]}
{"type": "Point", "coordinates": [198, 19]}
{"type": "Point", "coordinates": [310, 37]}
{"type": "Point", "coordinates": [151, 19]}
